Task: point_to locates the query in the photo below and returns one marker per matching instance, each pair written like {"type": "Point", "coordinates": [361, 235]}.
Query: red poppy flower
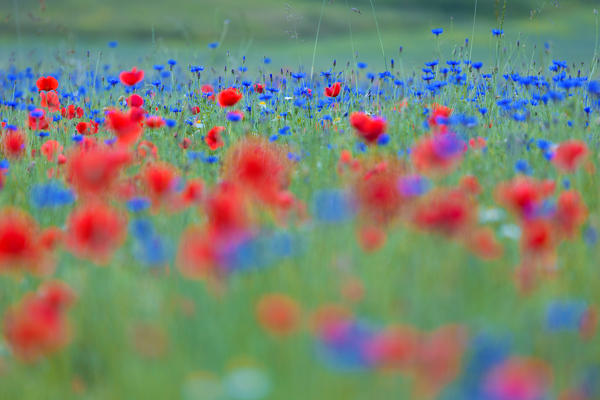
{"type": "Point", "coordinates": [196, 257]}
{"type": "Point", "coordinates": [518, 378]}
{"type": "Point", "coordinates": [439, 115]}
{"type": "Point", "coordinates": [522, 195]}
{"type": "Point", "coordinates": [135, 100]}
{"type": "Point", "coordinates": [20, 245]}
{"type": "Point", "coordinates": [155, 121]}
{"type": "Point", "coordinates": [394, 347]}
{"type": "Point", "coordinates": [538, 237]}
{"type": "Point", "coordinates": [38, 122]}
{"type": "Point", "coordinates": [127, 127]}
{"type": "Point", "coordinates": [259, 88]}
{"type": "Point", "coordinates": [278, 314]}
{"type": "Point", "coordinates": [193, 192]}
{"type": "Point", "coordinates": [438, 154]}
{"type": "Point", "coordinates": [369, 129]}
{"type": "Point", "coordinates": [50, 149]}
{"type": "Point", "coordinates": [160, 180]}
{"type": "Point", "coordinates": [131, 78]}
{"type": "Point", "coordinates": [438, 360]}
{"type": "Point", "coordinates": [226, 209]}
{"type": "Point", "coordinates": [333, 90]}
{"type": "Point", "coordinates": [87, 128]}
{"type": "Point", "coordinates": [570, 214]}
{"type": "Point", "coordinates": [569, 155]}
{"type": "Point", "coordinates": [13, 144]}
{"type": "Point", "coordinates": [195, 110]}
{"type": "Point", "coordinates": [208, 91]}
{"type": "Point", "coordinates": [377, 192]}
{"type": "Point", "coordinates": [261, 168]}
{"type": "Point", "coordinates": [229, 97]}
{"type": "Point", "coordinates": [47, 83]}
{"type": "Point", "coordinates": [36, 326]}
{"type": "Point", "coordinates": [147, 149]}
{"type": "Point", "coordinates": [50, 101]}
{"type": "Point", "coordinates": [71, 112]}
{"type": "Point", "coordinates": [447, 211]}
{"type": "Point", "coordinates": [94, 232]}
{"type": "Point", "coordinates": [93, 172]}
{"type": "Point", "coordinates": [213, 138]}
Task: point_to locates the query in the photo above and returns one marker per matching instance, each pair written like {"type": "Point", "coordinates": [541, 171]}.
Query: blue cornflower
{"type": "Point", "coordinates": [51, 194]}
{"type": "Point", "coordinates": [383, 139]}
{"type": "Point", "coordinates": [332, 206]}
{"type": "Point", "coordinates": [594, 88]}
{"type": "Point", "coordinates": [138, 204]}
{"type": "Point", "coordinates": [565, 315]}
{"type": "Point", "coordinates": [234, 116]}
{"type": "Point", "coordinates": [523, 167]}
{"type": "Point", "coordinates": [437, 31]}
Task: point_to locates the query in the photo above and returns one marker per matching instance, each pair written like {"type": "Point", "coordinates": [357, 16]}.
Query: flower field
{"type": "Point", "coordinates": [254, 231]}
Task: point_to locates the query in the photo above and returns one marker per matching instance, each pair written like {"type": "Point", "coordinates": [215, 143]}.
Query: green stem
{"type": "Point", "coordinates": [312, 67]}
{"type": "Point", "coordinates": [378, 34]}
{"type": "Point", "coordinates": [473, 31]}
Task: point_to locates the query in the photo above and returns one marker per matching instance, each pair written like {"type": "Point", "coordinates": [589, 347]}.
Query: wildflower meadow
{"type": "Point", "coordinates": [225, 223]}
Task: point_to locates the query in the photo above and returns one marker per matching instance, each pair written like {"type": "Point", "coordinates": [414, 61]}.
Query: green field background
{"type": "Point", "coordinates": [286, 30]}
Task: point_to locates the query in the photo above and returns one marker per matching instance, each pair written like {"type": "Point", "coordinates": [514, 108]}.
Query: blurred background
{"type": "Point", "coordinates": [285, 30]}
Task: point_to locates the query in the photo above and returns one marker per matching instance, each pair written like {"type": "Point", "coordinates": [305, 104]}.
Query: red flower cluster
{"type": "Point", "coordinates": [256, 175]}
{"type": "Point", "coordinates": [543, 227]}
{"type": "Point", "coordinates": [71, 112]}
{"type": "Point", "coordinates": [37, 325]}
{"type": "Point", "coordinates": [93, 172]}
{"type": "Point", "coordinates": [127, 127]}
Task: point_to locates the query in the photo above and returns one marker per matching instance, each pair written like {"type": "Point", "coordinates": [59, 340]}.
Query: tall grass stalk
{"type": "Point", "coordinates": [473, 32]}
{"type": "Point", "coordinates": [378, 34]}
{"type": "Point", "coordinates": [595, 57]}
{"type": "Point", "coordinates": [312, 67]}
